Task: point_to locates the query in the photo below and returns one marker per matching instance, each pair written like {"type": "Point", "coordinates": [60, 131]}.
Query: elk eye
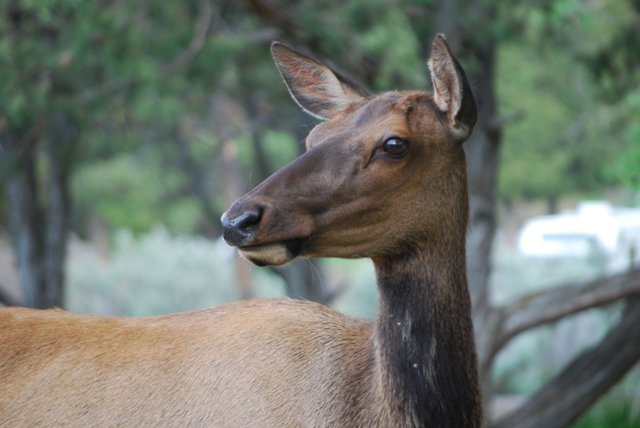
{"type": "Point", "coordinates": [395, 147]}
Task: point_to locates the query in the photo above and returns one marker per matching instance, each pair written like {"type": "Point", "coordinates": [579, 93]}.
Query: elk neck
{"type": "Point", "coordinates": [423, 340]}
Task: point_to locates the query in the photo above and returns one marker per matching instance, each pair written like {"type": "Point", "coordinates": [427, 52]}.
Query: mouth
{"type": "Point", "coordinates": [274, 253]}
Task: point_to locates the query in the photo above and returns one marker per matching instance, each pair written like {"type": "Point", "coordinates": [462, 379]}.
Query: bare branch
{"type": "Point", "coordinates": [551, 305]}
{"type": "Point", "coordinates": [563, 400]}
{"type": "Point", "coordinates": [200, 33]}
{"type": "Point", "coordinates": [201, 29]}
{"type": "Point", "coordinates": [276, 13]}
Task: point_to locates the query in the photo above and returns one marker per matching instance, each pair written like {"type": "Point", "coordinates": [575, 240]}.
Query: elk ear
{"type": "Point", "coordinates": [451, 90]}
{"type": "Point", "coordinates": [319, 90]}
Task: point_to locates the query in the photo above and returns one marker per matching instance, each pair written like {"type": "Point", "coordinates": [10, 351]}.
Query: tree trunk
{"type": "Point", "coordinates": [232, 183]}
{"type": "Point", "coordinates": [482, 165]}
{"type": "Point", "coordinates": [25, 219]}
{"type": "Point", "coordinates": [39, 226]}
{"type": "Point", "coordinates": [59, 151]}
{"type": "Point", "coordinates": [197, 182]}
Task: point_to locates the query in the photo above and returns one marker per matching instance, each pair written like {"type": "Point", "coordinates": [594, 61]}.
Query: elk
{"type": "Point", "coordinates": [383, 177]}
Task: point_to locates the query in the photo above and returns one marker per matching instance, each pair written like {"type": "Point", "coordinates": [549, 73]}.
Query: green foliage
{"type": "Point", "coordinates": [568, 139]}
{"type": "Point", "coordinates": [625, 127]}
{"type": "Point", "coordinates": [280, 147]}
{"type": "Point", "coordinates": [127, 193]}
{"type": "Point", "coordinates": [611, 413]}
{"type": "Point", "coordinates": [534, 163]}
{"type": "Point", "coordinates": [618, 409]}
{"type": "Point", "coordinates": [106, 67]}
{"type": "Point", "coordinates": [393, 43]}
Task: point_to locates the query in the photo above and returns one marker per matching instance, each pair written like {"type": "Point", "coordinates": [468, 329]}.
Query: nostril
{"type": "Point", "coordinates": [248, 219]}
{"type": "Point", "coordinates": [238, 229]}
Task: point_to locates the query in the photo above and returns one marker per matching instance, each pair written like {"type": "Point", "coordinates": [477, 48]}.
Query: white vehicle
{"type": "Point", "coordinates": [594, 228]}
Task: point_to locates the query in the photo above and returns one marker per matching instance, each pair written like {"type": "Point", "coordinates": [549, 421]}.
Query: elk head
{"type": "Point", "coordinates": [380, 173]}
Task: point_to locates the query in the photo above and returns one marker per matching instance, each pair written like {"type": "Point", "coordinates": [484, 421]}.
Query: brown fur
{"type": "Point", "coordinates": [287, 363]}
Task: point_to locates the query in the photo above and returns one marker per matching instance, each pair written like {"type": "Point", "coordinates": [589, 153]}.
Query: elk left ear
{"type": "Point", "coordinates": [319, 90]}
{"type": "Point", "coordinates": [451, 90]}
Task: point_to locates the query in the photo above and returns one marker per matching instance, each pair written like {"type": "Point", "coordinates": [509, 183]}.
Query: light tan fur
{"type": "Point", "coordinates": [62, 369]}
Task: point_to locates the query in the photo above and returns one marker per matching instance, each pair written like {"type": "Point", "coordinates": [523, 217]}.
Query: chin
{"type": "Point", "coordinates": [265, 255]}
{"type": "Point", "coordinates": [275, 253]}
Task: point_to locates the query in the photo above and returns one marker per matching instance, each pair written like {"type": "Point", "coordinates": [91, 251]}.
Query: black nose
{"type": "Point", "coordinates": [238, 229]}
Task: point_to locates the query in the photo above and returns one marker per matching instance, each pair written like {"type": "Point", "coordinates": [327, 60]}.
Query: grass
{"type": "Point", "coordinates": [619, 408]}
{"type": "Point", "coordinates": [612, 412]}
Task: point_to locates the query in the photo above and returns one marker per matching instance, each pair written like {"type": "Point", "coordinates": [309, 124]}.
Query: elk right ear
{"type": "Point", "coordinates": [451, 90]}
{"type": "Point", "coordinates": [319, 90]}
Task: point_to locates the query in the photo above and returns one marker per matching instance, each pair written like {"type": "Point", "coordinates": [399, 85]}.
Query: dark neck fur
{"type": "Point", "coordinates": [424, 339]}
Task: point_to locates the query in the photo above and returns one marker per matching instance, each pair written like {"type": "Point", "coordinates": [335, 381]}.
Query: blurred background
{"type": "Point", "coordinates": [128, 126]}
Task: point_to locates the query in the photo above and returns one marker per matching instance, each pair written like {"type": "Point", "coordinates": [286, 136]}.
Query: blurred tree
{"type": "Point", "coordinates": [72, 64]}
{"type": "Point", "coordinates": [35, 126]}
